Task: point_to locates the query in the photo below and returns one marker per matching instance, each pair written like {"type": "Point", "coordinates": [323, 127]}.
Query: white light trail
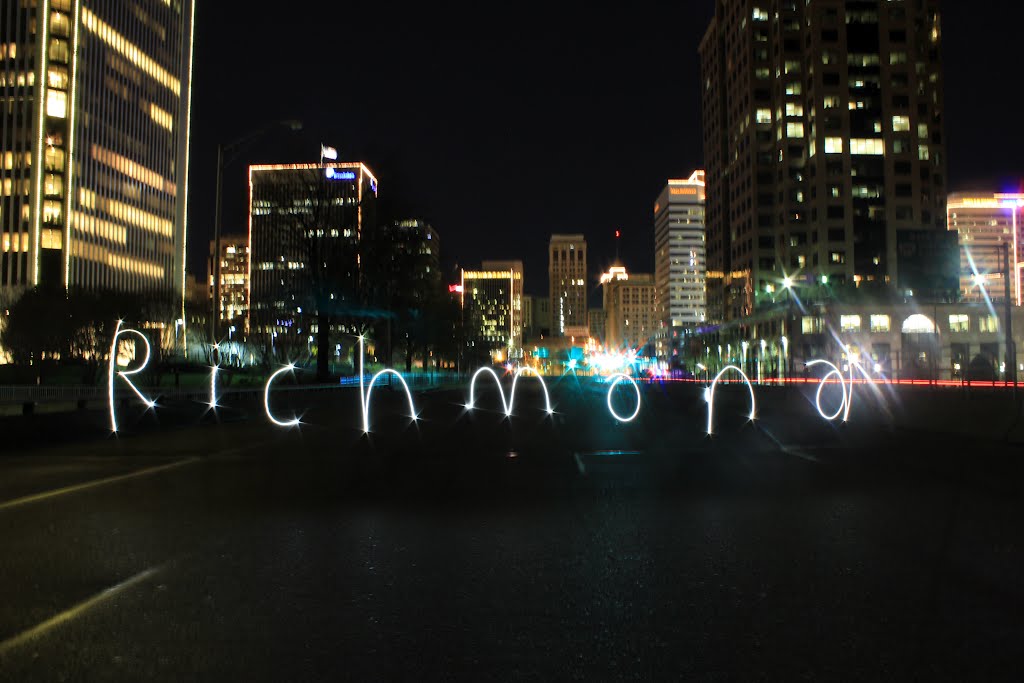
{"type": "Point", "coordinates": [364, 397]}
{"type": "Point", "coordinates": [844, 405]}
{"type": "Point", "coordinates": [709, 394]}
{"type": "Point", "coordinates": [512, 396]}
{"type": "Point", "coordinates": [501, 392]}
{"type": "Point", "coordinates": [213, 386]}
{"type": "Point", "coordinates": [113, 372]}
{"type": "Point", "coordinates": [266, 398]}
{"type": "Point", "coordinates": [618, 378]}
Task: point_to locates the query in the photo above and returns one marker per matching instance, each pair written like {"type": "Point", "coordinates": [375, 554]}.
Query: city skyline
{"type": "Point", "coordinates": [561, 117]}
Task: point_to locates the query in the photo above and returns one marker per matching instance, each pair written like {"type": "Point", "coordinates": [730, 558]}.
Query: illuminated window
{"type": "Point", "coordinates": [922, 130]}
{"type": "Point", "coordinates": [959, 322]}
{"type": "Point", "coordinates": [56, 104]}
{"type": "Point", "coordinates": [831, 102]}
{"type": "Point", "coordinates": [52, 212]}
{"type": "Point", "coordinates": [764, 116]}
{"type": "Point", "coordinates": [760, 14]}
{"type": "Point", "coordinates": [988, 323]}
{"type": "Point", "coordinates": [811, 325]}
{"type": "Point", "coordinates": [833, 145]}
{"type": "Point", "coordinates": [897, 58]}
{"type": "Point", "coordinates": [53, 186]}
{"type": "Point", "coordinates": [59, 50]}
{"type": "Point", "coordinates": [60, 24]}
{"type": "Point", "coordinates": [880, 323]}
{"type": "Point", "coordinates": [794, 109]}
{"type": "Point", "coordinates": [837, 257]}
{"type": "Point", "coordinates": [57, 77]}
{"type": "Point", "coordinates": [922, 152]}
{"type": "Point", "coordinates": [54, 159]}
{"type": "Point", "coordinates": [794, 130]}
{"type": "Point", "coordinates": [849, 323]}
{"type": "Point", "coordinates": [867, 146]}
{"type": "Point", "coordinates": [793, 88]}
{"type": "Point", "coordinates": [50, 238]}
{"type": "Point", "coordinates": [900, 123]}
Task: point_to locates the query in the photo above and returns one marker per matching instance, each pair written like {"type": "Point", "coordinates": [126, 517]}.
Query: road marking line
{"type": "Point", "coordinates": [36, 497]}
{"type": "Point", "coordinates": [788, 450]}
{"type": "Point", "coordinates": [74, 612]}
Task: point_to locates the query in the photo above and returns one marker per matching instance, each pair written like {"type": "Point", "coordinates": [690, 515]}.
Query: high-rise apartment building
{"type": "Point", "coordinates": [679, 260]}
{"type": "Point", "coordinates": [492, 309]}
{"type": "Point", "coordinates": [986, 224]}
{"type": "Point", "coordinates": [233, 307]}
{"type": "Point", "coordinates": [631, 315]}
{"type": "Point", "coordinates": [823, 138]}
{"type": "Point", "coordinates": [305, 226]}
{"type": "Point", "coordinates": [94, 143]}
{"type": "Point", "coordinates": [567, 282]}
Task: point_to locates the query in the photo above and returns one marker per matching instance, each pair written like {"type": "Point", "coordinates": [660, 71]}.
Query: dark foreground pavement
{"type": "Point", "coordinates": [470, 547]}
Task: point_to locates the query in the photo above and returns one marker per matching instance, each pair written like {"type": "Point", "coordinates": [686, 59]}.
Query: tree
{"type": "Point", "coordinates": [39, 328]}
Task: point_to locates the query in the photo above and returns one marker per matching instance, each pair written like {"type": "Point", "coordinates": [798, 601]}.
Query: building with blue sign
{"type": "Point", "coordinates": [305, 226]}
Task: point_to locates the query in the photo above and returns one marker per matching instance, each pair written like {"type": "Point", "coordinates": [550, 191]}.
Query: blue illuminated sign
{"type": "Point", "coordinates": [340, 175]}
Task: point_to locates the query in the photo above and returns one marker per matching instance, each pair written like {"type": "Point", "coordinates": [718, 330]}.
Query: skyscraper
{"type": "Point", "coordinates": [985, 224]}
{"type": "Point", "coordinates": [94, 143]}
{"type": "Point", "coordinates": [492, 305]}
{"type": "Point", "coordinates": [630, 310]}
{"type": "Point", "coordinates": [823, 138]}
{"type": "Point", "coordinates": [305, 226]}
{"type": "Point", "coordinates": [567, 282]}
{"type": "Point", "coordinates": [233, 307]}
{"type": "Point", "coordinates": [679, 260]}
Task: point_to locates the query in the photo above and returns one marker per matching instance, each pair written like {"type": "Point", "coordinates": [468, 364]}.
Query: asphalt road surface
{"type": "Point", "coordinates": [468, 546]}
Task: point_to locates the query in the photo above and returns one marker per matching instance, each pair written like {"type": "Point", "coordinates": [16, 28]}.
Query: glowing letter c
{"type": "Point", "coordinates": [266, 399]}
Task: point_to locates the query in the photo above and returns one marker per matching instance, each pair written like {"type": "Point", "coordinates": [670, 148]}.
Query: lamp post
{"type": "Point", "coordinates": [222, 151]}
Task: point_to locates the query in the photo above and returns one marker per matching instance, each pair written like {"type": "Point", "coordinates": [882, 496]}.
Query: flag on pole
{"type": "Point", "coordinates": [329, 153]}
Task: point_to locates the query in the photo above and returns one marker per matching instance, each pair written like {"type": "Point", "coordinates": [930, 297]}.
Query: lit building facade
{"type": "Point", "coordinates": [823, 140]}
{"type": "Point", "coordinates": [94, 144]}
{"type": "Point", "coordinates": [985, 224]}
{"type": "Point", "coordinates": [567, 282]}
{"type": "Point", "coordinates": [233, 307]}
{"type": "Point", "coordinates": [492, 308]}
{"type": "Point", "coordinates": [301, 214]}
{"type": "Point", "coordinates": [630, 306]}
{"type": "Point", "coordinates": [679, 260]}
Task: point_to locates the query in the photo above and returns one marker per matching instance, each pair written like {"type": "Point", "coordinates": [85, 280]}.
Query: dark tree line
{"type": "Point", "coordinates": [45, 327]}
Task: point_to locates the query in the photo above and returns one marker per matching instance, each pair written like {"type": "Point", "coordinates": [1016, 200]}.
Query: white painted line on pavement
{"type": "Point", "coordinates": [36, 497]}
{"type": "Point", "coordinates": [76, 611]}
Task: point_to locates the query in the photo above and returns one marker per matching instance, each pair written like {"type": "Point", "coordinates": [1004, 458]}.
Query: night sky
{"type": "Point", "coordinates": [502, 124]}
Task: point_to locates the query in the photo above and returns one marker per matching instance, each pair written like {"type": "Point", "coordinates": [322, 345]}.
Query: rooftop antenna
{"type": "Point", "coordinates": [618, 234]}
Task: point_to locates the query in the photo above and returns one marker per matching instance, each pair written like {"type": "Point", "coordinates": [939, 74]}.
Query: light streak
{"type": "Point", "coordinates": [113, 373]}
{"type": "Point", "coordinates": [618, 378]}
{"type": "Point", "coordinates": [844, 405]}
{"type": "Point", "coordinates": [213, 386]}
{"type": "Point", "coordinates": [364, 397]}
{"type": "Point", "coordinates": [519, 373]}
{"type": "Point", "coordinates": [709, 394]}
{"type": "Point", "coordinates": [501, 392]}
{"type": "Point", "coordinates": [266, 398]}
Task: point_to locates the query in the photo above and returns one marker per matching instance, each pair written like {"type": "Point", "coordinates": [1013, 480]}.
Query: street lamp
{"type": "Point", "coordinates": [222, 151]}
